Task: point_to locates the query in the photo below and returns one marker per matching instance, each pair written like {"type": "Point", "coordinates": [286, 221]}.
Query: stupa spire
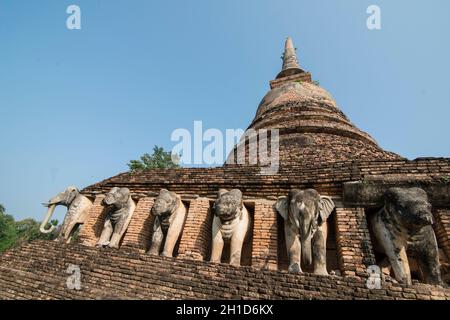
{"type": "Point", "coordinates": [290, 62]}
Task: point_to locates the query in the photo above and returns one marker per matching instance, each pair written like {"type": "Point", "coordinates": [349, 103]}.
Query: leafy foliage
{"type": "Point", "coordinates": [8, 235]}
{"type": "Point", "coordinates": [158, 159]}
{"type": "Point", "coordinates": [13, 233]}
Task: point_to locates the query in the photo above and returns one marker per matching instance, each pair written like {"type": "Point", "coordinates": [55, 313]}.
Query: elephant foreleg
{"type": "Point", "coordinates": [76, 227]}
{"type": "Point", "coordinates": [394, 248]}
{"type": "Point", "coordinates": [117, 233]}
{"type": "Point", "coordinates": [217, 244]}
{"type": "Point", "coordinates": [67, 232]}
{"type": "Point", "coordinates": [320, 250]}
{"type": "Point", "coordinates": [106, 233]}
{"type": "Point", "coordinates": [115, 239]}
{"type": "Point", "coordinates": [236, 244]}
{"type": "Point", "coordinates": [157, 238]}
{"type": "Point", "coordinates": [428, 257]}
{"type": "Point", "coordinates": [293, 248]}
{"type": "Point", "coordinates": [172, 235]}
{"type": "Point", "coordinates": [399, 262]}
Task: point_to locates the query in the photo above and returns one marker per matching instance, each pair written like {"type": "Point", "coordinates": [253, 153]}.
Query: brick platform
{"type": "Point", "coordinates": [38, 270]}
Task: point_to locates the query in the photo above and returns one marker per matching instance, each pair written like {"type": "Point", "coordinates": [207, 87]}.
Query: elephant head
{"type": "Point", "coordinates": [117, 198]}
{"type": "Point", "coordinates": [409, 207]}
{"type": "Point", "coordinates": [306, 210]}
{"type": "Point", "coordinates": [228, 204]}
{"type": "Point", "coordinates": [64, 198]}
{"type": "Point", "coordinates": [165, 203]}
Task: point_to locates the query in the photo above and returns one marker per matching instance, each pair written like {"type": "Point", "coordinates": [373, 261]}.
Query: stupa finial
{"type": "Point", "coordinates": [290, 62]}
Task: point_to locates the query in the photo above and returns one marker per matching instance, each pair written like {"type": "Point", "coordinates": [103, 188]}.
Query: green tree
{"type": "Point", "coordinates": [28, 230]}
{"type": "Point", "coordinates": [13, 233]}
{"type": "Point", "coordinates": [8, 236]}
{"type": "Point", "coordinates": [158, 159]}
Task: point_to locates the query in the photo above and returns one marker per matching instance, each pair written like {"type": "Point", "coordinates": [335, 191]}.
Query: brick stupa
{"type": "Point", "coordinates": [318, 148]}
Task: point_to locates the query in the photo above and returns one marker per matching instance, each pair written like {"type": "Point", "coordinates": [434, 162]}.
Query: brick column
{"type": "Point", "coordinates": [139, 232]}
{"type": "Point", "coordinates": [196, 237]}
{"type": "Point", "coordinates": [264, 248]}
{"type": "Point", "coordinates": [442, 229]}
{"type": "Point", "coordinates": [354, 246]}
{"type": "Point", "coordinates": [93, 226]}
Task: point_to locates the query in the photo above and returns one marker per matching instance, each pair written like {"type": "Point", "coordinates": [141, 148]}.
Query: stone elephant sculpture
{"type": "Point", "coordinates": [404, 227]}
{"type": "Point", "coordinates": [231, 224]}
{"type": "Point", "coordinates": [169, 212]}
{"type": "Point", "coordinates": [120, 208]}
{"type": "Point", "coordinates": [77, 210]}
{"type": "Point", "coordinates": [305, 214]}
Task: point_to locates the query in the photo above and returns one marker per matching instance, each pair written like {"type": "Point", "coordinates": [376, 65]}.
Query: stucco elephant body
{"type": "Point", "coordinates": [305, 214]}
{"type": "Point", "coordinates": [170, 213]}
{"type": "Point", "coordinates": [120, 208]}
{"type": "Point", "coordinates": [231, 224]}
{"type": "Point", "coordinates": [404, 226]}
{"type": "Point", "coordinates": [77, 210]}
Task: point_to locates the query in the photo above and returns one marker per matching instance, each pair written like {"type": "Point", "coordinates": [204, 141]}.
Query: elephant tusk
{"type": "Point", "coordinates": [50, 210]}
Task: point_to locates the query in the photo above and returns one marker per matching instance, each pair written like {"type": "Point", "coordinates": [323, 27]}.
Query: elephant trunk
{"type": "Point", "coordinates": [44, 223]}
{"type": "Point", "coordinates": [306, 251]}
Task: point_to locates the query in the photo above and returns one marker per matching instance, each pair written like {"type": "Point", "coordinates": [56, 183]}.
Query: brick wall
{"type": "Point", "coordinates": [205, 182]}
{"type": "Point", "coordinates": [196, 235]}
{"type": "Point", "coordinates": [140, 229]}
{"type": "Point", "coordinates": [265, 238]}
{"type": "Point", "coordinates": [353, 241]}
{"type": "Point", "coordinates": [38, 270]}
{"type": "Point", "coordinates": [93, 226]}
{"type": "Point", "coordinates": [442, 229]}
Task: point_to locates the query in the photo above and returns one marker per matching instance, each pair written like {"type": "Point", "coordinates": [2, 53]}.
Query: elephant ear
{"type": "Point", "coordinates": [163, 191]}
{"type": "Point", "coordinates": [72, 189]}
{"type": "Point", "coordinates": [326, 206]}
{"type": "Point", "coordinates": [237, 196]}
{"type": "Point", "coordinates": [124, 194]}
{"type": "Point", "coordinates": [221, 192]}
{"type": "Point", "coordinates": [114, 190]}
{"type": "Point", "coordinates": [282, 207]}
{"type": "Point", "coordinates": [168, 195]}
{"type": "Point", "coordinates": [174, 199]}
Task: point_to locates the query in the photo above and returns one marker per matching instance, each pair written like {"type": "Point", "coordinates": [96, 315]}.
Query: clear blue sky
{"type": "Point", "coordinates": [76, 106]}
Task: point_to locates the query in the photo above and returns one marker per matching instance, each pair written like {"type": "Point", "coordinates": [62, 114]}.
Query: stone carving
{"type": "Point", "coordinates": [404, 227]}
{"type": "Point", "coordinates": [120, 208]}
{"type": "Point", "coordinates": [231, 224]}
{"type": "Point", "coordinates": [77, 210]}
{"type": "Point", "coordinates": [169, 212]}
{"type": "Point", "coordinates": [305, 214]}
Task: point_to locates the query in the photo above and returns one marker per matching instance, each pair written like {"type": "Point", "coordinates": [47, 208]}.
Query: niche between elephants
{"type": "Point", "coordinates": [331, 257]}
{"type": "Point", "coordinates": [382, 261]}
{"type": "Point", "coordinates": [246, 254]}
